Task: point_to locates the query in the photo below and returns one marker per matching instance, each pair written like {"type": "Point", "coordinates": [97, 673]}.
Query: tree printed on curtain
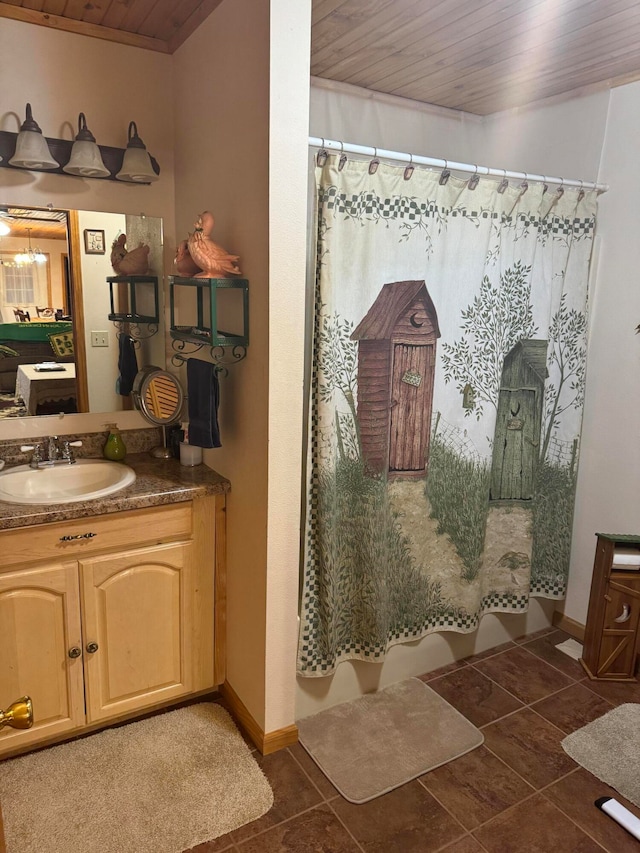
{"type": "Point", "coordinates": [447, 387]}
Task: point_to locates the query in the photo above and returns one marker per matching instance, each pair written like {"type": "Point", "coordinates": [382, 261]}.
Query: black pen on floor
{"type": "Point", "coordinates": [620, 814]}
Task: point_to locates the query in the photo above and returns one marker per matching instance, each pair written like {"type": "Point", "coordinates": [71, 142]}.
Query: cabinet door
{"type": "Point", "coordinates": [137, 609]}
{"type": "Point", "coordinates": [39, 625]}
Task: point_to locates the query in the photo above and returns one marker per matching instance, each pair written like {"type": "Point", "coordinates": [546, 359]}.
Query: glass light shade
{"type": "Point", "coordinates": [136, 167]}
{"type": "Point", "coordinates": [32, 151]}
{"type": "Point", "coordinates": [4, 228]}
{"type": "Point", "coordinates": [86, 159]}
{"type": "Point", "coordinates": [136, 163]}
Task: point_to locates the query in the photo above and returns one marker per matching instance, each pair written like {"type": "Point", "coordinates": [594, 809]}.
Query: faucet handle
{"type": "Point", "coordinates": [67, 452]}
{"type": "Point", "coordinates": [36, 457]}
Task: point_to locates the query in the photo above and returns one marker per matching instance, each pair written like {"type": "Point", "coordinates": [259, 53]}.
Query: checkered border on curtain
{"type": "Point", "coordinates": [556, 588]}
{"type": "Point", "coordinates": [368, 203]}
{"type": "Point", "coordinates": [310, 662]}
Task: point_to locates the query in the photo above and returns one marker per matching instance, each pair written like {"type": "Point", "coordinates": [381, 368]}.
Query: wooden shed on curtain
{"type": "Point", "coordinates": [396, 365]}
{"type": "Point", "coordinates": [516, 445]}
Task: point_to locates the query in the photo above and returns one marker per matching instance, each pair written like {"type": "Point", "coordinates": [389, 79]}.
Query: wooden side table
{"type": "Point", "coordinates": [613, 620]}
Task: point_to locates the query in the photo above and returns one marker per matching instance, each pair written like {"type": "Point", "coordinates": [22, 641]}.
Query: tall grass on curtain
{"type": "Point", "coordinates": [447, 389]}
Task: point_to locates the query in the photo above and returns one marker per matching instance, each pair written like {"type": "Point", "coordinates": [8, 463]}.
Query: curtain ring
{"type": "Point", "coordinates": [504, 183]}
{"type": "Point", "coordinates": [581, 191]}
{"type": "Point", "coordinates": [321, 159]}
{"type": "Point", "coordinates": [373, 165]}
{"type": "Point", "coordinates": [473, 181]}
{"type": "Point", "coordinates": [343, 158]}
{"type": "Point", "coordinates": [446, 174]}
{"type": "Point", "coordinates": [545, 186]}
{"type": "Point", "coordinates": [409, 169]}
{"type": "Point", "coordinates": [560, 190]}
{"type": "Point", "coordinates": [524, 186]}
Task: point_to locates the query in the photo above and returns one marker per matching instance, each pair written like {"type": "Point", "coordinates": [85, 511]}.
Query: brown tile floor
{"type": "Point", "coordinates": [518, 793]}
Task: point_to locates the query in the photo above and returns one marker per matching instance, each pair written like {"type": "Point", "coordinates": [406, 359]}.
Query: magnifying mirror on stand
{"type": "Point", "coordinates": [159, 396]}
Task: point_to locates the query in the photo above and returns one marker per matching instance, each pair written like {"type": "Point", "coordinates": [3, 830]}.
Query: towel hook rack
{"type": "Point", "coordinates": [134, 330]}
{"type": "Point", "coordinates": [222, 357]}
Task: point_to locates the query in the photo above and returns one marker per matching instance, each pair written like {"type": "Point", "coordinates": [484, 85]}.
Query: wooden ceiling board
{"type": "Point", "coordinates": [609, 71]}
{"type": "Point", "coordinates": [137, 12]}
{"type": "Point", "coordinates": [166, 17]}
{"type": "Point", "coordinates": [485, 55]}
{"type": "Point", "coordinates": [95, 11]}
{"type": "Point", "coordinates": [54, 7]}
{"type": "Point", "coordinates": [441, 48]}
{"type": "Point", "coordinates": [69, 25]}
{"type": "Point", "coordinates": [115, 14]}
{"type": "Point", "coordinates": [551, 63]}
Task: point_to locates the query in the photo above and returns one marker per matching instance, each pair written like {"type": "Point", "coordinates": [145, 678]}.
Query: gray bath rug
{"type": "Point", "coordinates": [162, 785]}
{"type": "Point", "coordinates": [376, 743]}
{"type": "Point", "coordinates": [609, 748]}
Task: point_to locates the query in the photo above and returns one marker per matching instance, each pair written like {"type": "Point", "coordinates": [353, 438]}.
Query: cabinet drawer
{"type": "Point", "coordinates": [117, 530]}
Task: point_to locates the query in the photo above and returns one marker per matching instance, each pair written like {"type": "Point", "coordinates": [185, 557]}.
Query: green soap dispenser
{"type": "Point", "coordinates": [114, 448]}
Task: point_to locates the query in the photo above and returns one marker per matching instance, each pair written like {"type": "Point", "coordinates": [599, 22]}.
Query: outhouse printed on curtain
{"type": "Point", "coordinates": [446, 402]}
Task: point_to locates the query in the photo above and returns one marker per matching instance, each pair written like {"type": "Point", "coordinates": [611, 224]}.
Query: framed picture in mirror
{"type": "Point", "coordinates": [94, 242]}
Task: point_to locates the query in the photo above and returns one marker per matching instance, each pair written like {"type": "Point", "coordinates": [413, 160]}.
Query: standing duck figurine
{"type": "Point", "coordinates": [213, 260]}
{"type": "Point", "coordinates": [184, 263]}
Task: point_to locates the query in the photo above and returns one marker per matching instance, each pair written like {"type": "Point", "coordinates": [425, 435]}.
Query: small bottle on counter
{"type": "Point", "coordinates": [114, 448]}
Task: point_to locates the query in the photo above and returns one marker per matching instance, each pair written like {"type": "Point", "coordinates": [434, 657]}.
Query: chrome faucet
{"type": "Point", "coordinates": [51, 452]}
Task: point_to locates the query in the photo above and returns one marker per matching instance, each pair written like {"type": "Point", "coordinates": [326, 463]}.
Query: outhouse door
{"type": "Point", "coordinates": [516, 448]}
{"type": "Point", "coordinates": [411, 401]}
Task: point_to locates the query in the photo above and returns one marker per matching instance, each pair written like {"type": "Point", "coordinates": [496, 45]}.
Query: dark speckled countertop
{"type": "Point", "coordinates": [158, 481]}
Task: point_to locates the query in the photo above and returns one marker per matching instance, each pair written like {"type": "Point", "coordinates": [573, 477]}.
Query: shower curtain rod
{"type": "Point", "coordinates": [418, 160]}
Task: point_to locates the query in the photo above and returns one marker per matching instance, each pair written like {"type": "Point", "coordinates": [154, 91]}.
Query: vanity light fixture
{"type": "Point", "coordinates": [82, 157]}
{"type": "Point", "coordinates": [136, 164]}
{"type": "Point", "coordinates": [32, 151]}
{"type": "Point", "coordinates": [86, 160]}
{"type": "Point", "coordinates": [4, 228]}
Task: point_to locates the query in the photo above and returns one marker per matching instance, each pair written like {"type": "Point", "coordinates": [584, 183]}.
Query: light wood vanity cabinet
{"type": "Point", "coordinates": [108, 624]}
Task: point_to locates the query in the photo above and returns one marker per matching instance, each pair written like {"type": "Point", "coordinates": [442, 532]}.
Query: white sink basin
{"type": "Point", "coordinates": [84, 480]}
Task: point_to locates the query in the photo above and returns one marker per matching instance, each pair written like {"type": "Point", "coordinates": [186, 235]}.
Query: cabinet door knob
{"type": "Point", "coordinates": [92, 648]}
{"type": "Point", "coordinates": [75, 652]}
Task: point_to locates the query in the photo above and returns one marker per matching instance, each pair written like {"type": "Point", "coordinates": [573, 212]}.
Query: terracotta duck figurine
{"type": "Point", "coordinates": [135, 262]}
{"type": "Point", "coordinates": [184, 263]}
{"type": "Point", "coordinates": [213, 260]}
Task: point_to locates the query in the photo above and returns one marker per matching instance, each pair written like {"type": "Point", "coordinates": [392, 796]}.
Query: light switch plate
{"type": "Point", "coordinates": [99, 339]}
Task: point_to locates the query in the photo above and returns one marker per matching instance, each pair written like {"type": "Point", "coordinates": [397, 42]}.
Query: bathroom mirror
{"type": "Point", "coordinates": [55, 303]}
{"type": "Point", "coordinates": [159, 396]}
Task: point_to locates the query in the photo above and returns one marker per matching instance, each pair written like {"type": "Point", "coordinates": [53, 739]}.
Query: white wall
{"type": "Point", "coordinates": [240, 151]}
{"type": "Point", "coordinates": [102, 363]}
{"type": "Point", "coordinates": [609, 472]}
{"type": "Point", "coordinates": [562, 139]}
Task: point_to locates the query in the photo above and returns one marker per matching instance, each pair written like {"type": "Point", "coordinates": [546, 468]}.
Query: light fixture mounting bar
{"type": "Point", "coordinates": [61, 152]}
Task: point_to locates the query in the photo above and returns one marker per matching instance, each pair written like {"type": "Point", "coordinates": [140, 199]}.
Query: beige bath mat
{"type": "Point", "coordinates": [609, 748]}
{"type": "Point", "coordinates": [161, 785]}
{"type": "Point", "coordinates": [373, 744]}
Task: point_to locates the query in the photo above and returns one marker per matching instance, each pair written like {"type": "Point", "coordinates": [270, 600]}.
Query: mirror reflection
{"type": "Point", "coordinates": [59, 352]}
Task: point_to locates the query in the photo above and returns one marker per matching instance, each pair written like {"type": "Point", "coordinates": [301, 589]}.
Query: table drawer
{"type": "Point", "coordinates": [95, 534]}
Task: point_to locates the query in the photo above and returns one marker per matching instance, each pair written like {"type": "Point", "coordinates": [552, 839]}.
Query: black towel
{"type": "Point", "coordinates": [203, 393]}
{"type": "Point", "coordinates": [127, 365]}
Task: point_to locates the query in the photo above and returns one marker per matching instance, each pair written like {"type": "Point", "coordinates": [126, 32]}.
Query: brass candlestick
{"type": "Point", "coordinates": [19, 715]}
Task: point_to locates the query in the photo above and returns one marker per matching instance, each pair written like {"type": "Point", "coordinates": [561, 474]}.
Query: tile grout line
{"type": "Point", "coordinates": [559, 807]}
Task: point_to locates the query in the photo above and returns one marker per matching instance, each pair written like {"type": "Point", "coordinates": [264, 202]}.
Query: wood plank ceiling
{"type": "Point", "coordinates": [480, 56]}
